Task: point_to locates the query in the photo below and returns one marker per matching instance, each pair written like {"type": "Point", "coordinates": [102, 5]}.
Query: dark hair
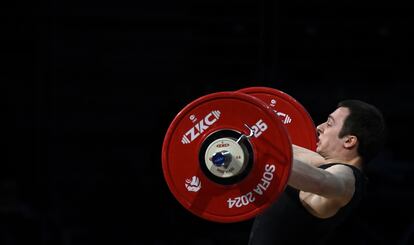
{"type": "Point", "coordinates": [367, 123]}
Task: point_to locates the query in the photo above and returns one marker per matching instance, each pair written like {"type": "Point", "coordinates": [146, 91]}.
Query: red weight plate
{"type": "Point", "coordinates": [213, 124]}
{"type": "Point", "coordinates": [293, 115]}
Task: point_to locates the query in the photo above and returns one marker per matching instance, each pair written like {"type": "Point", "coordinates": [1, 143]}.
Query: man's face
{"type": "Point", "coordinates": [330, 145]}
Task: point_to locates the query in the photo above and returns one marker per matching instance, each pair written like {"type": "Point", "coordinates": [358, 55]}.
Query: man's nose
{"type": "Point", "coordinates": [319, 129]}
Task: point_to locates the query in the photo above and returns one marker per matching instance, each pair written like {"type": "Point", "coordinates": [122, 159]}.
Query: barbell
{"type": "Point", "coordinates": [227, 156]}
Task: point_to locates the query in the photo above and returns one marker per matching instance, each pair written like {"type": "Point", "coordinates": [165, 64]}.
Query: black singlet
{"type": "Point", "coordinates": [288, 222]}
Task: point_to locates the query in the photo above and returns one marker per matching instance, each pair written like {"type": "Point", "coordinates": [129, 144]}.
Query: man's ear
{"type": "Point", "coordinates": [350, 141]}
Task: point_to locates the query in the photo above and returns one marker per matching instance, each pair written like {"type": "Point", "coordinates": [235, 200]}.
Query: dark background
{"type": "Point", "coordinates": [93, 86]}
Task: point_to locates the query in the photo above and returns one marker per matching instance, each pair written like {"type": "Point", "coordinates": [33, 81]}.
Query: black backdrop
{"type": "Point", "coordinates": [92, 87]}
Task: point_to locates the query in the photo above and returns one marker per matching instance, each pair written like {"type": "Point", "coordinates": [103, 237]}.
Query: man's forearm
{"type": "Point", "coordinates": [306, 177]}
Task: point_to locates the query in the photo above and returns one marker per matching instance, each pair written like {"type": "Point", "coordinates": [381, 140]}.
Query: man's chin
{"type": "Point", "coordinates": [318, 150]}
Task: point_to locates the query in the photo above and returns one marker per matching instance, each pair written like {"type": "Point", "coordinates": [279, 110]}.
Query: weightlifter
{"type": "Point", "coordinates": [325, 186]}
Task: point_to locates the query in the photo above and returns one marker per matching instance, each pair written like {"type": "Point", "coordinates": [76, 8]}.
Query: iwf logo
{"type": "Point", "coordinates": [200, 127]}
{"type": "Point", "coordinates": [193, 184]}
{"type": "Point", "coordinates": [285, 118]}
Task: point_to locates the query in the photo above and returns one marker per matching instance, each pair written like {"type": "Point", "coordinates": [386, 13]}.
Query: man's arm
{"type": "Point", "coordinates": [323, 192]}
{"type": "Point", "coordinates": [307, 156]}
{"type": "Point", "coordinates": [330, 183]}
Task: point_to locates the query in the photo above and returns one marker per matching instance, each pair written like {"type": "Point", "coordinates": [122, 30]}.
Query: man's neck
{"type": "Point", "coordinates": [355, 161]}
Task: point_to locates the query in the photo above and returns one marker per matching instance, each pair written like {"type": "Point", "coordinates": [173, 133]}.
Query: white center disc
{"type": "Point", "coordinates": [238, 156]}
